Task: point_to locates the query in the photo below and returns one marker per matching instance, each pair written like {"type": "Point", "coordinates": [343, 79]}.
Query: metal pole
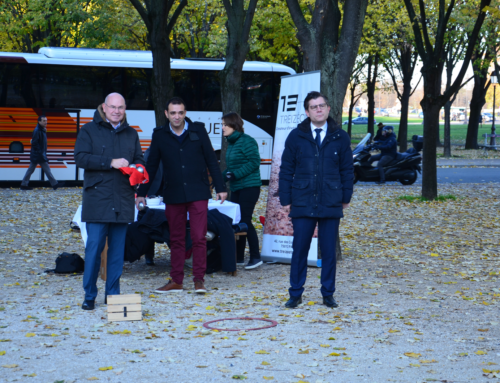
{"type": "Point", "coordinates": [492, 139]}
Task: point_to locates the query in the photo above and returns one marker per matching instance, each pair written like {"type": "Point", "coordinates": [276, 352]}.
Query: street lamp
{"type": "Point", "coordinates": [494, 82]}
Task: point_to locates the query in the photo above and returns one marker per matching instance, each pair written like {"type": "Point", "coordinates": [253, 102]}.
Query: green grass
{"type": "Point", "coordinates": [458, 131]}
{"type": "Point", "coordinates": [413, 198]}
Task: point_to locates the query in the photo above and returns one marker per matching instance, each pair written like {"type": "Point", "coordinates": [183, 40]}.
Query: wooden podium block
{"type": "Point", "coordinates": [124, 307]}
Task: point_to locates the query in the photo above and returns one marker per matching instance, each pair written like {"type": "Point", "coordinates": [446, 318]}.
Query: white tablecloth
{"type": "Point", "coordinates": [232, 210]}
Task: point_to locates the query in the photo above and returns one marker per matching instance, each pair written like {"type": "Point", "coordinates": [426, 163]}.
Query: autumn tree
{"type": "Point", "coordinates": [329, 38]}
{"type": "Point", "coordinates": [26, 26]}
{"type": "Point", "coordinates": [356, 85]}
{"type": "Point", "coordinates": [239, 21]}
{"type": "Point", "coordinates": [159, 17]}
{"type": "Point", "coordinates": [399, 59]}
{"type": "Point", "coordinates": [484, 55]}
{"type": "Point", "coordinates": [430, 27]}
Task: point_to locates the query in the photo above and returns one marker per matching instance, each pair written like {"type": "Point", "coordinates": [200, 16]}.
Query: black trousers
{"type": "Point", "coordinates": [247, 199]}
{"type": "Point", "coordinates": [382, 161]}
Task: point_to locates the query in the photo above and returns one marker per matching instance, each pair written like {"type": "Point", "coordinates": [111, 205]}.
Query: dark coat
{"type": "Point", "coordinates": [185, 164]}
{"type": "Point", "coordinates": [379, 136]}
{"type": "Point", "coordinates": [38, 151]}
{"type": "Point", "coordinates": [316, 181]}
{"type": "Point", "coordinates": [388, 146]}
{"type": "Point", "coordinates": [107, 194]}
{"type": "Point", "coordinates": [221, 226]}
{"type": "Point", "coordinates": [243, 159]}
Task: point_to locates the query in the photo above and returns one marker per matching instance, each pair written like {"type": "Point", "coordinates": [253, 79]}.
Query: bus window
{"type": "Point", "coordinates": [137, 90]}
{"type": "Point", "coordinates": [257, 99]}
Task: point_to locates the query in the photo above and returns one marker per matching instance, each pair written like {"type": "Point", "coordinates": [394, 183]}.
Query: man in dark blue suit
{"type": "Point", "coordinates": [315, 186]}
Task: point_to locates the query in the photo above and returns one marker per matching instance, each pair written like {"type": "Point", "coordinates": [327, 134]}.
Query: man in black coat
{"type": "Point", "coordinates": [184, 149]}
{"type": "Point", "coordinates": [38, 155]}
{"type": "Point", "coordinates": [315, 186]}
{"type": "Point", "coordinates": [388, 147]}
{"type": "Point", "coordinates": [103, 146]}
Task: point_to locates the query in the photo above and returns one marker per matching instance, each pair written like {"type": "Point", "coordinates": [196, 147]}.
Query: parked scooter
{"type": "Point", "coordinates": [403, 168]}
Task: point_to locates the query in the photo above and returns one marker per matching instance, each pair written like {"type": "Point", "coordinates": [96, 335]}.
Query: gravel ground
{"type": "Point", "coordinates": [418, 293]}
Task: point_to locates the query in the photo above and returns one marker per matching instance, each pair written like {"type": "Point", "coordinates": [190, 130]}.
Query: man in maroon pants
{"type": "Point", "coordinates": [185, 151]}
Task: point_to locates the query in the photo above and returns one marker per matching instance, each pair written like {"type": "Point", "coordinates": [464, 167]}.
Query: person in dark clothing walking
{"type": "Point", "coordinates": [103, 146]}
{"type": "Point", "coordinates": [378, 135]}
{"type": "Point", "coordinates": [388, 147]}
{"type": "Point", "coordinates": [38, 156]}
{"type": "Point", "coordinates": [243, 175]}
{"type": "Point", "coordinates": [185, 150]}
{"type": "Point", "coordinates": [315, 186]}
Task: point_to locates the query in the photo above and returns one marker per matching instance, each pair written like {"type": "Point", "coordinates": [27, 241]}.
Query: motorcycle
{"type": "Point", "coordinates": [403, 168]}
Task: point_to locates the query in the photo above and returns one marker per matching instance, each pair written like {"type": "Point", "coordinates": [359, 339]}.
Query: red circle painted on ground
{"type": "Point", "coordinates": [273, 324]}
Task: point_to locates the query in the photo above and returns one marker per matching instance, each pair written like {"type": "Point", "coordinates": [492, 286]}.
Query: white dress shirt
{"type": "Point", "coordinates": [323, 131]}
{"type": "Point", "coordinates": [183, 130]}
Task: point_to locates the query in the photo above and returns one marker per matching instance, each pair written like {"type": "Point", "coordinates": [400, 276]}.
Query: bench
{"type": "Point", "coordinates": [486, 144]}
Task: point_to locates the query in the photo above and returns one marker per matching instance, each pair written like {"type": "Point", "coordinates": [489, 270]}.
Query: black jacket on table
{"type": "Point", "coordinates": [184, 164]}
{"type": "Point", "coordinates": [316, 181]}
{"type": "Point", "coordinates": [108, 196]}
{"type": "Point", "coordinates": [38, 151]}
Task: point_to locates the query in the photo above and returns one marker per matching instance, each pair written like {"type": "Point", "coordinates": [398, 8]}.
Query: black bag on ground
{"type": "Point", "coordinates": [67, 263]}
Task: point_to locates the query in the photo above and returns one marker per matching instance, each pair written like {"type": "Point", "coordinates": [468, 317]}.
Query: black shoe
{"type": "Point", "coordinates": [380, 182]}
{"type": "Point", "coordinates": [330, 302]}
{"type": "Point", "coordinates": [253, 263]}
{"type": "Point", "coordinates": [88, 305]}
{"type": "Point", "coordinates": [25, 188]}
{"type": "Point", "coordinates": [293, 302]}
{"type": "Point", "coordinates": [58, 185]}
{"type": "Point", "coordinates": [150, 261]}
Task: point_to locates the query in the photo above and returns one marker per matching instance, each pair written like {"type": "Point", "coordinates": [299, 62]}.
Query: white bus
{"type": "Point", "coordinates": [67, 85]}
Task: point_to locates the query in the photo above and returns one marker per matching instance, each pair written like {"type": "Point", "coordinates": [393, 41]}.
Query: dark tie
{"type": "Point", "coordinates": [318, 136]}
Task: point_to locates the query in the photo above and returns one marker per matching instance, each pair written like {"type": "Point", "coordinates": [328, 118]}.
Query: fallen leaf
{"type": "Point", "coordinates": [268, 377]}
{"type": "Point", "coordinates": [266, 364]}
{"type": "Point", "coordinates": [10, 365]}
{"type": "Point", "coordinates": [480, 352]}
{"type": "Point", "coordinates": [30, 335]}
{"type": "Point", "coordinates": [240, 377]}
{"type": "Point", "coordinates": [413, 355]}
{"type": "Point", "coordinates": [105, 368]}
{"type": "Point", "coordinates": [334, 354]}
{"type": "Point", "coordinates": [428, 361]}
{"type": "Point", "coordinates": [2, 353]}
{"type": "Point", "coordinates": [261, 352]}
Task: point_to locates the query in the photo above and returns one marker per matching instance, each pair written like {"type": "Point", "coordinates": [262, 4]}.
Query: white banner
{"type": "Point", "coordinates": [278, 230]}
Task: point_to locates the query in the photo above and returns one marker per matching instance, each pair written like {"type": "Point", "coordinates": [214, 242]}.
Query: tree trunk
{"type": "Point", "coordinates": [370, 86]}
{"type": "Point", "coordinates": [447, 130]}
{"type": "Point", "coordinates": [161, 83]}
{"type": "Point", "coordinates": [431, 128]}
{"type": "Point", "coordinates": [238, 30]}
{"type": "Point", "coordinates": [403, 121]}
{"type": "Point", "coordinates": [476, 105]}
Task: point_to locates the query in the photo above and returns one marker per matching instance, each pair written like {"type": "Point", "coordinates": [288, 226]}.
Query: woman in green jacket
{"type": "Point", "coordinates": [243, 175]}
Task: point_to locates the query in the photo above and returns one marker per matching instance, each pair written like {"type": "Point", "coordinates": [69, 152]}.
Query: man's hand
{"type": "Point", "coordinates": [140, 199]}
{"type": "Point", "coordinates": [345, 205]}
{"type": "Point", "coordinates": [286, 209]}
{"type": "Point", "coordinates": [222, 197]}
{"type": "Point", "coordinates": [118, 163]}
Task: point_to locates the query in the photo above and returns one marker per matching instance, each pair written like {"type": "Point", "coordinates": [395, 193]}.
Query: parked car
{"type": "Point", "coordinates": [359, 121]}
{"type": "Point", "coordinates": [487, 117]}
{"type": "Point", "coordinates": [421, 115]}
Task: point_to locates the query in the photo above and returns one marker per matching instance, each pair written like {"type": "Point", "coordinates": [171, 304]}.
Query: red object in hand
{"type": "Point", "coordinates": [262, 219]}
{"type": "Point", "coordinates": [136, 177]}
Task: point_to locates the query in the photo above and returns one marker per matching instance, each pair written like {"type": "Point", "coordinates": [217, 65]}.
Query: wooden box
{"type": "Point", "coordinates": [124, 307]}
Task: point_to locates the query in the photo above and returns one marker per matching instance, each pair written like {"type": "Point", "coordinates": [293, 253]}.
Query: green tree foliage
{"type": "Point", "coordinates": [27, 25]}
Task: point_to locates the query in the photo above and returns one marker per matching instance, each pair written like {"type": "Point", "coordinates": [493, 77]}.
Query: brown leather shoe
{"type": "Point", "coordinates": [199, 287]}
{"type": "Point", "coordinates": [170, 287]}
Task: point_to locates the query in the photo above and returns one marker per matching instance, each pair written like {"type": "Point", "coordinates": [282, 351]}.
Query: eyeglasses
{"type": "Point", "coordinates": [116, 108]}
{"type": "Point", "coordinates": [321, 106]}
